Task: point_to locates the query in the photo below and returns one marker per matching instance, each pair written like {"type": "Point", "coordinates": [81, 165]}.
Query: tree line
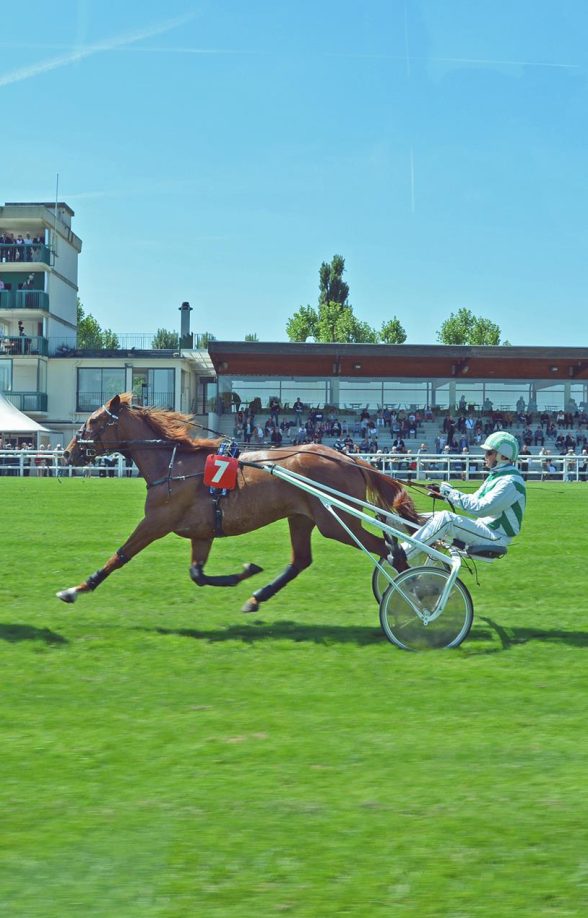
{"type": "Point", "coordinates": [331, 320]}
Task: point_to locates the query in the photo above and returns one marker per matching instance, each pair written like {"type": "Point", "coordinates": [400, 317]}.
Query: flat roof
{"type": "Point", "coordinates": [61, 205]}
{"type": "Point", "coordinates": [255, 358]}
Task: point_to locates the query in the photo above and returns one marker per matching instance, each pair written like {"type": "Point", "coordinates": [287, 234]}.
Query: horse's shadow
{"type": "Point", "coordinates": [490, 633]}
{"type": "Point", "coordinates": [258, 630]}
{"type": "Point", "coordinates": [14, 634]}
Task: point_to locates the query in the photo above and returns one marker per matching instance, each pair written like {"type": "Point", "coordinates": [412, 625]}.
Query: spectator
{"type": "Point", "coordinates": [274, 407]}
{"type": "Point", "coordinates": [583, 465]}
{"type": "Point", "coordinates": [298, 409]}
{"type": "Point", "coordinates": [524, 457]}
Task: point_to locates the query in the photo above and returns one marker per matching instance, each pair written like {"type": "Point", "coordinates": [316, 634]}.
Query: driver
{"type": "Point", "coordinates": [495, 510]}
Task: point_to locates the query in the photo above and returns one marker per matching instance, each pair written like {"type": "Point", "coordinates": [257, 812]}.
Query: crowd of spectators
{"type": "Point", "coordinates": [19, 247]}
{"type": "Point", "coordinates": [386, 431]}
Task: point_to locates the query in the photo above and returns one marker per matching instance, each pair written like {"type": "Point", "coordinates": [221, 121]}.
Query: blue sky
{"type": "Point", "coordinates": [219, 151]}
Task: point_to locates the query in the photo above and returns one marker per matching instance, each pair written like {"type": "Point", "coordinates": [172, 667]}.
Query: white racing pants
{"type": "Point", "coordinates": [447, 526]}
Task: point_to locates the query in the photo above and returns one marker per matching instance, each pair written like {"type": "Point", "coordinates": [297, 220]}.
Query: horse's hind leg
{"type": "Point", "coordinates": [200, 552]}
{"type": "Point", "coordinates": [300, 530]}
{"type": "Point", "coordinates": [374, 544]}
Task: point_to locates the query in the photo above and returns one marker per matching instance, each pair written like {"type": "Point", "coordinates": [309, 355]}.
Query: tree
{"type": "Point", "coordinates": [333, 319]}
{"type": "Point", "coordinates": [91, 336]}
{"type": "Point", "coordinates": [302, 324]}
{"type": "Point", "coordinates": [332, 287]}
{"type": "Point", "coordinates": [204, 338]}
{"type": "Point", "coordinates": [392, 332]}
{"type": "Point", "coordinates": [463, 327]}
{"type": "Point", "coordinates": [251, 337]}
{"type": "Point", "coordinates": [164, 339]}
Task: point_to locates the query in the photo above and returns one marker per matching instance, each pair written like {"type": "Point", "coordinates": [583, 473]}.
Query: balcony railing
{"type": "Point", "coordinates": [23, 345]}
{"type": "Point", "coordinates": [127, 345]}
{"type": "Point", "coordinates": [24, 254]}
{"type": "Point", "coordinates": [27, 401]}
{"type": "Point", "coordinates": [24, 299]}
{"type": "Point", "coordinates": [90, 401]}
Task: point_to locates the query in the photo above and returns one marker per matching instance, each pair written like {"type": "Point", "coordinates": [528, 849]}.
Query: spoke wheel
{"type": "Point", "coordinates": [406, 605]}
{"type": "Point", "coordinates": [380, 583]}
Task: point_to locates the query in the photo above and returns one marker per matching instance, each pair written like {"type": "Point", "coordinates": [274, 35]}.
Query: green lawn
{"type": "Point", "coordinates": [163, 754]}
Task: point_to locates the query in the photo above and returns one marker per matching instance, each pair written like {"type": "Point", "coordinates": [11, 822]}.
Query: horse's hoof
{"type": "Point", "coordinates": [68, 595]}
{"type": "Point", "coordinates": [249, 570]}
{"type": "Point", "coordinates": [251, 605]}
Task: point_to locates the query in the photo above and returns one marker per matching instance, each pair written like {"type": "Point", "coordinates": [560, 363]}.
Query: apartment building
{"type": "Point", "coordinates": [42, 370]}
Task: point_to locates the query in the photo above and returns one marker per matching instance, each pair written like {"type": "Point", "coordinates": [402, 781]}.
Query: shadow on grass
{"type": "Point", "coordinates": [283, 631]}
{"type": "Point", "coordinates": [501, 638]}
{"type": "Point", "coordinates": [16, 633]}
{"type": "Point", "coordinates": [510, 637]}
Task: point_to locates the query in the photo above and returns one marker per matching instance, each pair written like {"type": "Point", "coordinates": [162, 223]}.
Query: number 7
{"type": "Point", "coordinates": [222, 465]}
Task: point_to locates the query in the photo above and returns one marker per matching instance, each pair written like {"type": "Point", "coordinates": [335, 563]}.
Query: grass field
{"type": "Point", "coordinates": [165, 755]}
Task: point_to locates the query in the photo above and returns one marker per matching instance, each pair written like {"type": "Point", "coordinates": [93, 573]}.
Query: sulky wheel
{"type": "Point", "coordinates": [408, 610]}
{"type": "Point", "coordinates": [380, 582]}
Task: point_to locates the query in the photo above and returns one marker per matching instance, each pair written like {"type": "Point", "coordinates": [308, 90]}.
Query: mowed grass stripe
{"type": "Point", "coordinates": [165, 755]}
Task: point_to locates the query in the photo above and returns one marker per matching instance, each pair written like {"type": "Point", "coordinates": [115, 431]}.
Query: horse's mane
{"type": "Point", "coordinates": [170, 425]}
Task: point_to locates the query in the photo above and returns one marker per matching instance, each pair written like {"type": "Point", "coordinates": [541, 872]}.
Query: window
{"type": "Point", "coordinates": [97, 385]}
{"type": "Point", "coordinates": [154, 387]}
{"type": "Point", "coordinates": [5, 375]}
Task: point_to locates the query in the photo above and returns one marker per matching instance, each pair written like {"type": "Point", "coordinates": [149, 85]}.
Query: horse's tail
{"type": "Point", "coordinates": [389, 494]}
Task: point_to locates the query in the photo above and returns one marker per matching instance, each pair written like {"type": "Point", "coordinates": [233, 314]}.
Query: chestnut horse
{"type": "Point", "coordinates": [172, 464]}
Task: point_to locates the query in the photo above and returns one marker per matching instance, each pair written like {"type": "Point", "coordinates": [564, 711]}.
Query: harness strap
{"type": "Point", "coordinates": [168, 478]}
{"type": "Point", "coordinates": [218, 515]}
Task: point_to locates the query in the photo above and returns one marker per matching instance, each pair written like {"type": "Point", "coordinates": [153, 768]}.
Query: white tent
{"type": "Point", "coordinates": [13, 421]}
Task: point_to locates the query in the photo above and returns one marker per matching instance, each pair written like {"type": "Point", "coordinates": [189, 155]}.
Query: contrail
{"type": "Point", "coordinates": [406, 44]}
{"type": "Point", "coordinates": [154, 49]}
{"type": "Point", "coordinates": [495, 62]}
{"type": "Point", "coordinates": [110, 44]}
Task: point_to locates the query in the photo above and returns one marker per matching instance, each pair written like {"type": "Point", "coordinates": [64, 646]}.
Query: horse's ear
{"type": "Point", "coordinates": [114, 404]}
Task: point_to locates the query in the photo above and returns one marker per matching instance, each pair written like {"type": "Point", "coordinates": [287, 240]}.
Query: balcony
{"type": "Point", "coordinates": [24, 299]}
{"type": "Point", "coordinates": [23, 345]}
{"type": "Point", "coordinates": [10, 253]}
{"type": "Point", "coordinates": [28, 401]}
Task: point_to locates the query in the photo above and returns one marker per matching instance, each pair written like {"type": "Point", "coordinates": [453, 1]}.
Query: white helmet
{"type": "Point", "coordinates": [504, 443]}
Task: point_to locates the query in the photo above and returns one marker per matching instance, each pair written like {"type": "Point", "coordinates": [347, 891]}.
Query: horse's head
{"type": "Point", "coordinates": [97, 436]}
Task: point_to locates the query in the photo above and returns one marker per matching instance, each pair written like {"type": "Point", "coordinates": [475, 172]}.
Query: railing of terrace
{"type": "Point", "coordinates": [35, 252]}
{"type": "Point", "coordinates": [27, 401]}
{"type": "Point", "coordinates": [21, 345]}
{"type": "Point", "coordinates": [24, 299]}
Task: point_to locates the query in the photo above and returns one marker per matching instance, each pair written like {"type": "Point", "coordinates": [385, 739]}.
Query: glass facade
{"type": "Point", "coordinates": [97, 384]}
{"type": "Point", "coordinates": [154, 387]}
{"type": "Point", "coordinates": [343, 393]}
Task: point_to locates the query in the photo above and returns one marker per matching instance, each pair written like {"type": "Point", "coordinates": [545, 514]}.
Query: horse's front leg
{"type": "Point", "coordinates": [146, 532]}
{"type": "Point", "coordinates": [200, 552]}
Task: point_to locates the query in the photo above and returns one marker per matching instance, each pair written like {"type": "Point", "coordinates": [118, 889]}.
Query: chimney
{"type": "Point", "coordinates": [186, 338]}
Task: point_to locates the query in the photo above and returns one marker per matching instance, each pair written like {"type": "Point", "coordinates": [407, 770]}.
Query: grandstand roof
{"type": "Point", "coordinates": [255, 358]}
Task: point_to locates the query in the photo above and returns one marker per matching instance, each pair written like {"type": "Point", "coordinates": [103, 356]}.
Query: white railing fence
{"type": "Point", "coordinates": [405, 466]}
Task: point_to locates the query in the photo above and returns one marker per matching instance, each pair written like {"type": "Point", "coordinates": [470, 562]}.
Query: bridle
{"type": "Point", "coordinates": [86, 443]}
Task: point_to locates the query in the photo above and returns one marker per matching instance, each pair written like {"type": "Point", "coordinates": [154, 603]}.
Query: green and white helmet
{"type": "Point", "coordinates": [504, 443]}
